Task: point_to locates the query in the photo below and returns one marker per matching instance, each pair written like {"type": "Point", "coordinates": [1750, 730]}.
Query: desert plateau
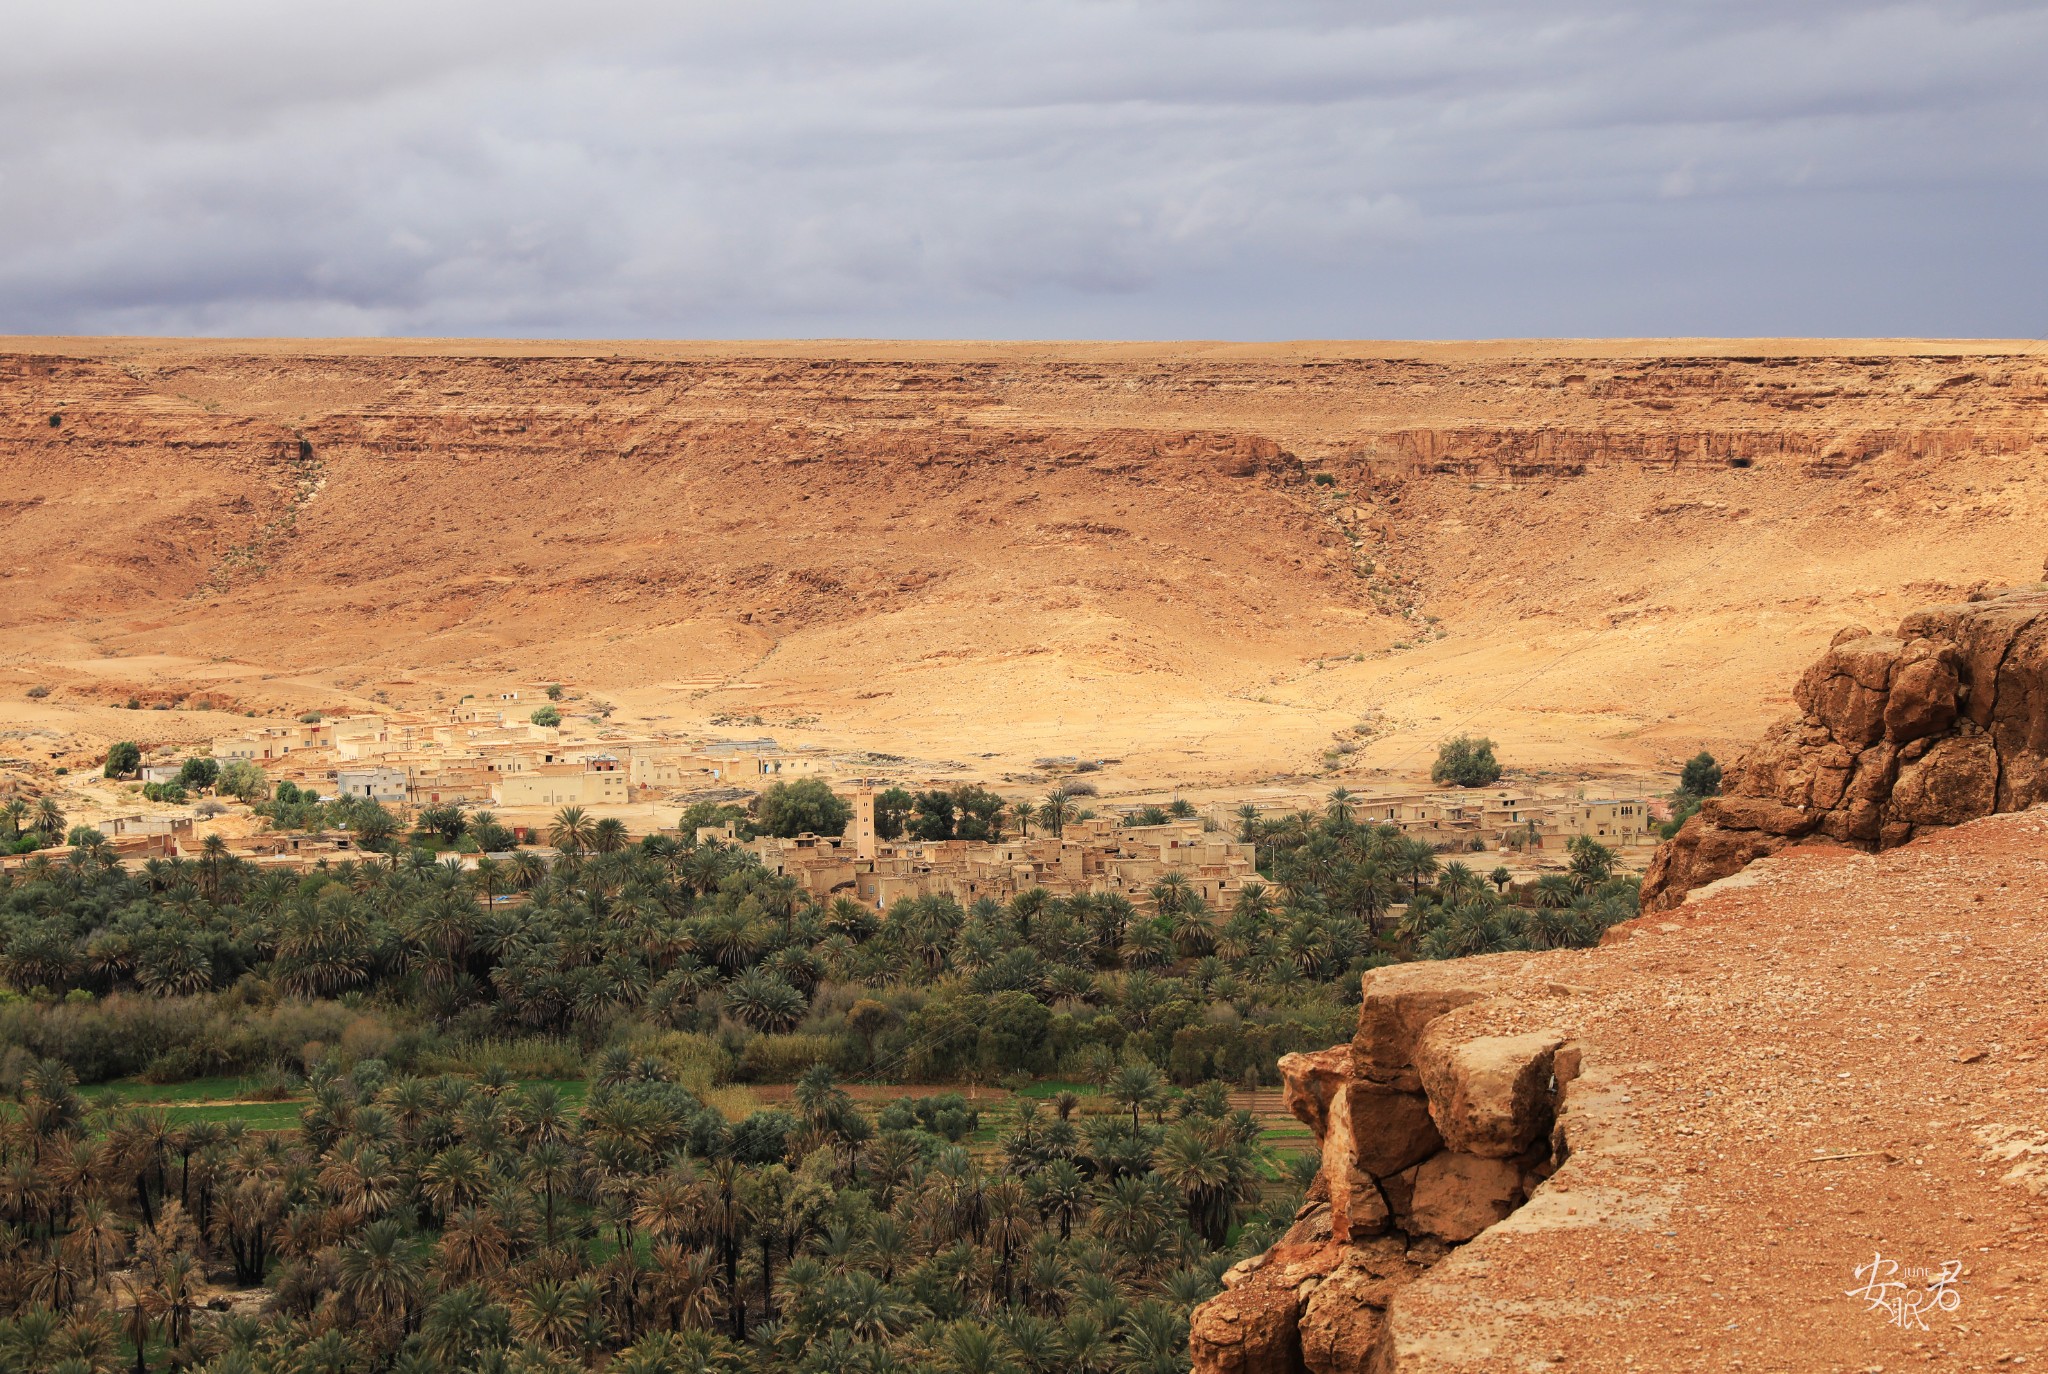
{"type": "Point", "coordinates": [1205, 561]}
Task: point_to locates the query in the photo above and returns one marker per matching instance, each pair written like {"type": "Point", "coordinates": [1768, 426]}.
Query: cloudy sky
{"type": "Point", "coordinates": [1025, 168]}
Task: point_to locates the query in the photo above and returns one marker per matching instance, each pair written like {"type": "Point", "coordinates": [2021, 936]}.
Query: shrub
{"type": "Point", "coordinates": [763, 1138]}
{"type": "Point", "coordinates": [1680, 814]}
{"type": "Point", "coordinates": [1702, 776]}
{"type": "Point", "coordinates": [732, 1102]}
{"type": "Point", "coordinates": [1465, 762]}
{"type": "Point", "coordinates": [38, 692]}
{"type": "Point", "coordinates": [945, 1115]}
{"type": "Point", "coordinates": [698, 1062]}
{"type": "Point", "coordinates": [172, 1038]}
{"type": "Point", "coordinates": [1326, 479]}
{"type": "Point", "coordinates": [525, 1056]}
{"type": "Point", "coordinates": [788, 809]}
{"type": "Point", "coordinates": [784, 1058]}
{"type": "Point", "coordinates": [245, 780]}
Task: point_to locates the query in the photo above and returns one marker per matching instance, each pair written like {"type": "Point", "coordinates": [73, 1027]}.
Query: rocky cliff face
{"type": "Point", "coordinates": [1429, 1135]}
{"type": "Point", "coordinates": [1943, 722]}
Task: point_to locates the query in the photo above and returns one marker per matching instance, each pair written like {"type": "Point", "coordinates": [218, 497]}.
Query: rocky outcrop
{"type": "Point", "coordinates": [1745, 1100]}
{"type": "Point", "coordinates": [1943, 722]}
{"type": "Point", "coordinates": [1429, 1134]}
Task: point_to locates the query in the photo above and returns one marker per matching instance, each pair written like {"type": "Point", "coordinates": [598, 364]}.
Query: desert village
{"type": "Point", "coordinates": [489, 753]}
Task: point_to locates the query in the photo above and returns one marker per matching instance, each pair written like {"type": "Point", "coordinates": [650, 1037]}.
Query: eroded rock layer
{"type": "Point", "coordinates": [1943, 722]}
{"type": "Point", "coordinates": [1210, 559]}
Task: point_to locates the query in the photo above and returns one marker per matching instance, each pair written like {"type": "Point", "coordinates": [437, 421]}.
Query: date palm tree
{"type": "Point", "coordinates": [1135, 1086]}
{"type": "Point", "coordinates": [685, 1288]}
{"type": "Point", "coordinates": [1210, 1174]}
{"type": "Point", "coordinates": [1416, 861]}
{"type": "Point", "coordinates": [572, 831]}
{"type": "Point", "coordinates": [527, 869]}
{"type": "Point", "coordinates": [729, 1221]}
{"type": "Point", "coordinates": [172, 1295]}
{"type": "Point", "coordinates": [489, 878]}
{"type": "Point", "coordinates": [49, 820]}
{"type": "Point", "coordinates": [551, 1313]}
{"type": "Point", "coordinates": [765, 1002]}
{"type": "Point", "coordinates": [98, 1238]}
{"type": "Point", "coordinates": [473, 1245]}
{"type": "Point", "coordinates": [381, 1274]}
{"type": "Point", "coordinates": [670, 1208]}
{"type": "Point", "coordinates": [1191, 926]}
{"type": "Point", "coordinates": [1061, 1194]}
{"type": "Point", "coordinates": [968, 1347]}
{"type": "Point", "coordinates": [1057, 811]}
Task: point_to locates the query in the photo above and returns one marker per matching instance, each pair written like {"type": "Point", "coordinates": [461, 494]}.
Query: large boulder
{"type": "Point", "coordinates": [1846, 690]}
{"type": "Point", "coordinates": [1397, 1004]}
{"type": "Point", "coordinates": [1251, 1329]}
{"type": "Point", "coordinates": [1942, 723]}
{"type": "Point", "coordinates": [1489, 1095]}
{"type": "Point", "coordinates": [1700, 853]}
{"type": "Point", "coordinates": [1459, 1195]}
{"type": "Point", "coordinates": [1345, 1314]}
{"type": "Point", "coordinates": [1955, 781]}
{"type": "Point", "coordinates": [1254, 1326]}
{"type": "Point", "coordinates": [1356, 1206]}
{"type": "Point", "coordinates": [1390, 1130]}
{"type": "Point", "coordinates": [1924, 690]}
{"type": "Point", "coordinates": [1309, 1081]}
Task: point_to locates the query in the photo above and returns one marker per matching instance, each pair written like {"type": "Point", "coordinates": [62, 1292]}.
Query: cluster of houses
{"type": "Point", "coordinates": [1104, 854]}
{"type": "Point", "coordinates": [1118, 854]}
{"type": "Point", "coordinates": [489, 752]}
{"type": "Point", "coordinates": [1511, 820]}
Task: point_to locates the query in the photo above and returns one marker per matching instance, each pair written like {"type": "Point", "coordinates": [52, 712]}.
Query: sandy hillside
{"type": "Point", "coordinates": [1209, 561]}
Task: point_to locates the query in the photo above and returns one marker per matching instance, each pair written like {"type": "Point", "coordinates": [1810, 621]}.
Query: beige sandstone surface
{"type": "Point", "coordinates": [990, 553]}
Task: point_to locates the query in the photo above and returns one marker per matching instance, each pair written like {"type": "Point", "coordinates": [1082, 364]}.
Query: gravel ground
{"type": "Point", "coordinates": [1833, 1060]}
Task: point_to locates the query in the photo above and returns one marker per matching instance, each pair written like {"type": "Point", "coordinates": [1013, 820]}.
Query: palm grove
{"type": "Point", "coordinates": [436, 1207]}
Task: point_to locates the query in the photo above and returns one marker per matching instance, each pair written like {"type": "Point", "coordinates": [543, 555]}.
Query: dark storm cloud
{"type": "Point", "coordinates": [1051, 168]}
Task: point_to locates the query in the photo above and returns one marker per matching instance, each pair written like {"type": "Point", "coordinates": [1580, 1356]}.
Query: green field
{"type": "Point", "coordinates": [227, 1099]}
